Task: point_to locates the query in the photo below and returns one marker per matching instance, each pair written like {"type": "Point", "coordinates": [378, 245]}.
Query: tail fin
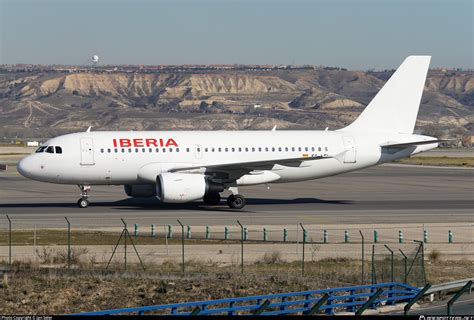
{"type": "Point", "coordinates": [395, 107]}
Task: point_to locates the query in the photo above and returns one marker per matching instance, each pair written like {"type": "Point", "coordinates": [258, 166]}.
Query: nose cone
{"type": "Point", "coordinates": [25, 167]}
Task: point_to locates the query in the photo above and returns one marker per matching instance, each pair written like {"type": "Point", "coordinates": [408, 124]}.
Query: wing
{"type": "Point", "coordinates": [235, 170]}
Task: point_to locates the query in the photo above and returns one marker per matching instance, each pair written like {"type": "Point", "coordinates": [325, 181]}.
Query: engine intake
{"type": "Point", "coordinates": [184, 187]}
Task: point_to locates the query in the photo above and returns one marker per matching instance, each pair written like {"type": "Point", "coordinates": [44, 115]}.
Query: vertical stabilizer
{"type": "Point", "coordinates": [395, 107]}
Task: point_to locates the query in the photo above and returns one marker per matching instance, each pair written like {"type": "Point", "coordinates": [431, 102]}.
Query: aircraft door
{"type": "Point", "coordinates": [351, 151]}
{"type": "Point", "coordinates": [198, 151]}
{"type": "Point", "coordinates": [87, 151]}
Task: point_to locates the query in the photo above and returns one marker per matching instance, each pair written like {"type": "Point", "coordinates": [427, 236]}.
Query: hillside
{"type": "Point", "coordinates": [45, 104]}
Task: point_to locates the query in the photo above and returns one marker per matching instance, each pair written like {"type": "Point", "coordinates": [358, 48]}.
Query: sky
{"type": "Point", "coordinates": [355, 34]}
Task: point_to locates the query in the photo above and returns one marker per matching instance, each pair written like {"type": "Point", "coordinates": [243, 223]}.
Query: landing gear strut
{"type": "Point", "coordinates": [212, 199]}
{"type": "Point", "coordinates": [83, 202]}
{"type": "Point", "coordinates": [236, 201]}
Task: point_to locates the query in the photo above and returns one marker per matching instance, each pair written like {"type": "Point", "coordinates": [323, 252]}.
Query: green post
{"type": "Point", "coordinates": [135, 230]}
{"type": "Point", "coordinates": [170, 232]}
{"type": "Point", "coordinates": [346, 236]}
{"type": "Point", "coordinates": [325, 236]}
{"type": "Point", "coordinates": [208, 233]}
{"type": "Point", "coordinates": [425, 236]}
{"type": "Point", "coordinates": [188, 232]}
{"type": "Point", "coordinates": [264, 234]}
{"type": "Point", "coordinates": [285, 235]}
{"type": "Point", "coordinates": [153, 230]}
{"type": "Point", "coordinates": [450, 236]}
{"type": "Point", "coordinates": [246, 233]}
{"type": "Point", "coordinates": [305, 236]}
{"type": "Point", "coordinates": [376, 236]}
{"type": "Point", "coordinates": [400, 236]}
{"type": "Point", "coordinates": [226, 233]}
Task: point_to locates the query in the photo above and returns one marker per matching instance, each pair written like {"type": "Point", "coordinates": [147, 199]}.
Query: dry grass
{"type": "Point", "coordinates": [439, 161]}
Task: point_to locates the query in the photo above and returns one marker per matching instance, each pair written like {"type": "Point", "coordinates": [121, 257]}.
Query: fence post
{"type": "Point", "coordinates": [68, 243]}
{"type": "Point", "coordinates": [304, 241]}
{"type": "Point", "coordinates": [346, 236]}
{"type": "Point", "coordinates": [241, 247]}
{"type": "Point", "coordinates": [391, 260]}
{"type": "Point", "coordinates": [325, 236]}
{"type": "Point", "coordinates": [425, 236]}
{"type": "Point", "coordinates": [226, 233]}
{"type": "Point", "coordinates": [420, 294]}
{"type": "Point", "coordinates": [376, 236]}
{"type": "Point", "coordinates": [153, 230]}
{"type": "Point", "coordinates": [450, 236]}
{"type": "Point", "coordinates": [458, 294]}
{"type": "Point", "coordinates": [285, 235]}
{"type": "Point", "coordinates": [363, 240]}
{"type": "Point", "coordinates": [374, 279]}
{"type": "Point", "coordinates": [422, 246]}
{"type": "Point", "coordinates": [246, 233]}
{"type": "Point", "coordinates": [405, 258]}
{"type": "Point", "coordinates": [170, 232]}
{"type": "Point", "coordinates": [182, 245]}
{"type": "Point", "coordinates": [208, 233]}
{"type": "Point", "coordinates": [265, 238]}
{"type": "Point", "coordinates": [9, 240]}
{"type": "Point", "coordinates": [135, 230]}
{"type": "Point", "coordinates": [125, 243]}
{"type": "Point", "coordinates": [400, 236]}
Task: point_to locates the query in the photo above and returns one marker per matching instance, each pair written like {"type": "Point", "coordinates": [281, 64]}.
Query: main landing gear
{"type": "Point", "coordinates": [236, 201]}
{"type": "Point", "coordinates": [83, 202]}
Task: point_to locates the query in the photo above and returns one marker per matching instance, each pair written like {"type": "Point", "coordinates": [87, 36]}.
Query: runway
{"type": "Point", "coordinates": [385, 194]}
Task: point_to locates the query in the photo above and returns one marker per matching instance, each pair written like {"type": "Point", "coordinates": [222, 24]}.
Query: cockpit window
{"type": "Point", "coordinates": [40, 149]}
{"type": "Point", "coordinates": [58, 149]}
{"type": "Point", "coordinates": [50, 149]}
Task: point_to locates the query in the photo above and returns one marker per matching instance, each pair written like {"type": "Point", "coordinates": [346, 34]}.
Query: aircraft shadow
{"type": "Point", "coordinates": [154, 204]}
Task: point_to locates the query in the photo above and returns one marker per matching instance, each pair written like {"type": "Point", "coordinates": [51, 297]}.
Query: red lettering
{"type": "Point", "coordinates": [138, 143]}
{"type": "Point", "coordinates": [125, 143]}
{"type": "Point", "coordinates": [151, 142]}
{"type": "Point", "coordinates": [115, 143]}
{"type": "Point", "coordinates": [161, 143]}
{"type": "Point", "coordinates": [171, 142]}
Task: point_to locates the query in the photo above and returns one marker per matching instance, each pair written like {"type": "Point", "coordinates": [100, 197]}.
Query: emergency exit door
{"type": "Point", "coordinates": [87, 151]}
{"type": "Point", "coordinates": [351, 151]}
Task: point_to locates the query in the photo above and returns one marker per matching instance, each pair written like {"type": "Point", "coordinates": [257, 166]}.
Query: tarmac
{"type": "Point", "coordinates": [387, 194]}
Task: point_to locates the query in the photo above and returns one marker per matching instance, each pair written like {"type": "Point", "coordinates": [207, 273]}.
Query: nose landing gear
{"type": "Point", "coordinates": [83, 202]}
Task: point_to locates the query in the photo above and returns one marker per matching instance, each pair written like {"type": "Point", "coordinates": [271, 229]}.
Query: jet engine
{"type": "Point", "coordinates": [184, 187]}
{"type": "Point", "coordinates": [140, 190]}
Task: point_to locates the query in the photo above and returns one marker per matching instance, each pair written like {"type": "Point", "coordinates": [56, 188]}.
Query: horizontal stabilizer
{"type": "Point", "coordinates": [411, 144]}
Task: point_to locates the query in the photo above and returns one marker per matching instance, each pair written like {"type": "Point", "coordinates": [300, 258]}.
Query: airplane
{"type": "Point", "coordinates": [184, 166]}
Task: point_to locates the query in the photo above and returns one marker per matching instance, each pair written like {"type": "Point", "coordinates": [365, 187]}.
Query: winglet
{"type": "Point", "coordinates": [89, 129]}
{"type": "Point", "coordinates": [274, 128]}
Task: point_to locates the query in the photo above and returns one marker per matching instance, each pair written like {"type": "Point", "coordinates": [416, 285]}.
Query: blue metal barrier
{"type": "Point", "coordinates": [343, 299]}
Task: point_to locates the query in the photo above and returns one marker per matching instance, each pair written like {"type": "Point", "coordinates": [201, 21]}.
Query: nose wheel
{"type": "Point", "coordinates": [83, 202]}
{"type": "Point", "coordinates": [236, 201]}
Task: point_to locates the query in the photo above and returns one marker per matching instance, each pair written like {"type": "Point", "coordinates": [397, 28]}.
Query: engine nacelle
{"type": "Point", "coordinates": [184, 187]}
{"type": "Point", "coordinates": [140, 190]}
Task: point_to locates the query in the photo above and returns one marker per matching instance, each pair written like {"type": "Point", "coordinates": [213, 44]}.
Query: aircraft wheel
{"type": "Point", "coordinates": [212, 199]}
{"type": "Point", "coordinates": [82, 203]}
{"type": "Point", "coordinates": [236, 201]}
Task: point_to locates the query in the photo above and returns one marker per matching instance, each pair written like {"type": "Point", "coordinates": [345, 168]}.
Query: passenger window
{"type": "Point", "coordinates": [171, 149]}
{"type": "Point", "coordinates": [312, 148]}
{"type": "Point", "coordinates": [116, 150]}
{"type": "Point", "coordinates": [205, 149]}
{"type": "Point", "coordinates": [240, 149]}
{"type": "Point", "coordinates": [292, 148]}
{"type": "Point", "coordinates": [273, 149]}
{"type": "Point", "coordinates": [319, 148]}
{"type": "Point", "coordinates": [157, 150]}
{"type": "Point", "coordinates": [219, 149]}
{"type": "Point", "coordinates": [306, 149]}
{"type": "Point", "coordinates": [177, 149]}
{"type": "Point", "coordinates": [164, 149]}
{"type": "Point", "coordinates": [187, 149]}
{"type": "Point", "coordinates": [101, 150]}
{"type": "Point", "coordinates": [129, 150]}
{"type": "Point", "coordinates": [299, 148]}
{"type": "Point", "coordinates": [286, 149]}
{"type": "Point", "coordinates": [326, 148]}
{"type": "Point", "coordinates": [266, 149]}
{"type": "Point", "coordinates": [212, 149]}
{"type": "Point", "coordinates": [143, 150]}
{"type": "Point", "coordinates": [246, 149]}
{"type": "Point", "coordinates": [150, 150]}
{"type": "Point", "coordinates": [58, 149]}
{"type": "Point", "coordinates": [233, 149]}
{"type": "Point", "coordinates": [198, 149]}
{"type": "Point", "coordinates": [136, 149]}
{"type": "Point", "coordinates": [108, 150]}
{"type": "Point", "coordinates": [260, 149]}
{"type": "Point", "coordinates": [123, 150]}
{"type": "Point", "coordinates": [226, 149]}
{"type": "Point", "coordinates": [279, 149]}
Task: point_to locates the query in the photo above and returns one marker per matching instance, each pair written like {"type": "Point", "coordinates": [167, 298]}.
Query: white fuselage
{"type": "Point", "coordinates": [137, 157]}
